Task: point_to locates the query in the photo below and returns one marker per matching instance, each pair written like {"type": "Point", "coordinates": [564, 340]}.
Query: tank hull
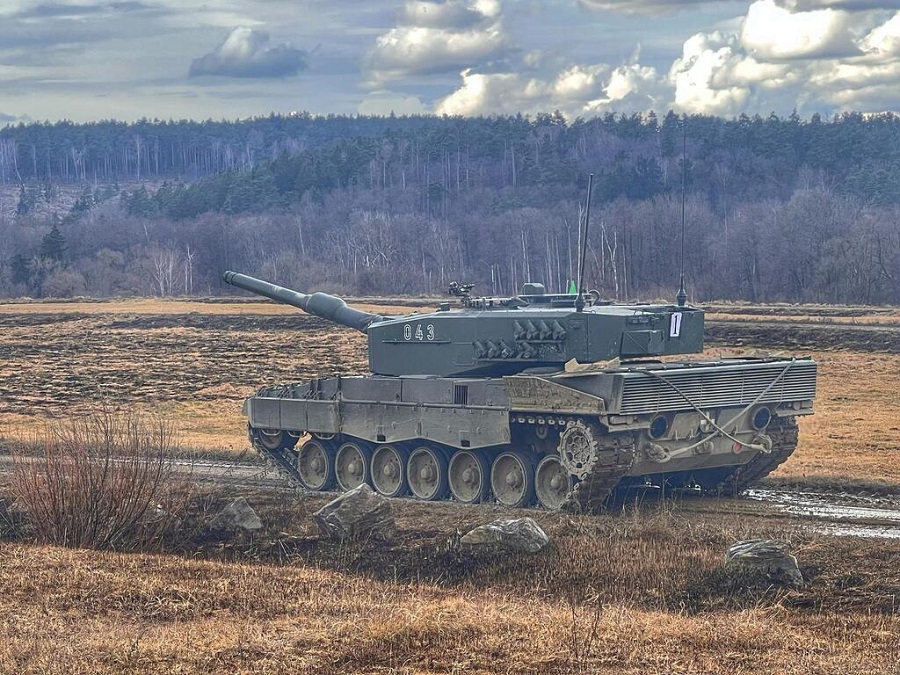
{"type": "Point", "coordinates": [563, 440]}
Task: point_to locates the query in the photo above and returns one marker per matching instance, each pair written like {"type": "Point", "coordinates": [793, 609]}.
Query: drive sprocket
{"type": "Point", "coordinates": [578, 448]}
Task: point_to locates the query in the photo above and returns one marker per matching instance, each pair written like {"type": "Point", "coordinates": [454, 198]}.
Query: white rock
{"type": "Point", "coordinates": [513, 534]}
{"type": "Point", "coordinates": [238, 515]}
{"type": "Point", "coordinates": [357, 513]}
{"type": "Point", "coordinates": [768, 560]}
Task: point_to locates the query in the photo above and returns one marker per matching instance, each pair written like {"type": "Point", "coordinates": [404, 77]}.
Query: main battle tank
{"type": "Point", "coordinates": [559, 399]}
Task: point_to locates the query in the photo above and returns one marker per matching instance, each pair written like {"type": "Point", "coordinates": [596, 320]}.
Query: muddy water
{"type": "Point", "coordinates": [836, 514]}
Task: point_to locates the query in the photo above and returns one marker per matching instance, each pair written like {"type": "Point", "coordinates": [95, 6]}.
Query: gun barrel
{"type": "Point", "coordinates": [326, 306]}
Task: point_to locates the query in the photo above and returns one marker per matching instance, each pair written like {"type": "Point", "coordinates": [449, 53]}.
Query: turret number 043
{"type": "Point", "coordinates": [419, 334]}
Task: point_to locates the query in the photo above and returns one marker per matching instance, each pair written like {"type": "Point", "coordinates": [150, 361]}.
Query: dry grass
{"type": "Point", "coordinates": [855, 432]}
{"type": "Point", "coordinates": [559, 612]}
{"type": "Point", "coordinates": [103, 481]}
{"type": "Point", "coordinates": [876, 319]}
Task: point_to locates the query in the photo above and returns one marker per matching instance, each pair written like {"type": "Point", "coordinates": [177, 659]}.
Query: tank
{"type": "Point", "coordinates": [562, 401]}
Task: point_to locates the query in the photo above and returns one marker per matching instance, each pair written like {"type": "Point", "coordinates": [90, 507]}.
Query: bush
{"type": "Point", "coordinates": [105, 481]}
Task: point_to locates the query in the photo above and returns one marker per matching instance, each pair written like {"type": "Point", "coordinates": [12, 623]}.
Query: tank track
{"type": "Point", "coordinates": [784, 442]}
{"type": "Point", "coordinates": [615, 455]}
{"type": "Point", "coordinates": [282, 460]}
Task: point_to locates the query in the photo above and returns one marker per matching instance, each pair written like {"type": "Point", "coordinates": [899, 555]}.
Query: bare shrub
{"type": "Point", "coordinates": [105, 481]}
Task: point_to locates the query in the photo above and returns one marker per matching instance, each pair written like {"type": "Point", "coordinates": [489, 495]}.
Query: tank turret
{"type": "Point", "coordinates": [503, 336]}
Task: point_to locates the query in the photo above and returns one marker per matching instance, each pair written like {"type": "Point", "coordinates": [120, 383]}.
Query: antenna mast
{"type": "Point", "coordinates": [681, 298]}
{"type": "Point", "coordinates": [579, 301]}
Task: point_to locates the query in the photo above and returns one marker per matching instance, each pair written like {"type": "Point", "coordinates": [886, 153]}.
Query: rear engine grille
{"type": "Point", "coordinates": [717, 386]}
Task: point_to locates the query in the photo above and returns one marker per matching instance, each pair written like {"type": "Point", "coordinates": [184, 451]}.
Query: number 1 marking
{"type": "Point", "coordinates": [675, 325]}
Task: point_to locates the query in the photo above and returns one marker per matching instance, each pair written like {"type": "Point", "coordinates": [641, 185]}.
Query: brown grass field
{"type": "Point", "coordinates": [633, 592]}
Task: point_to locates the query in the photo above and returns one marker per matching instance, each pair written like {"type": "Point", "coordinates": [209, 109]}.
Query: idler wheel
{"type": "Point", "coordinates": [388, 468]}
{"type": "Point", "coordinates": [512, 479]}
{"type": "Point", "coordinates": [468, 477]}
{"type": "Point", "coordinates": [273, 439]}
{"type": "Point", "coordinates": [352, 465]}
{"type": "Point", "coordinates": [426, 471]}
{"type": "Point", "coordinates": [552, 483]}
{"type": "Point", "coordinates": [315, 466]}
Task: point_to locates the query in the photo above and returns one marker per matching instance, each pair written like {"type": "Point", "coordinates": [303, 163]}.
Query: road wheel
{"type": "Point", "coordinates": [388, 469]}
{"type": "Point", "coordinates": [351, 465]}
{"type": "Point", "coordinates": [552, 482]}
{"type": "Point", "coordinates": [468, 476]}
{"type": "Point", "coordinates": [426, 471]}
{"type": "Point", "coordinates": [512, 479]}
{"type": "Point", "coordinates": [315, 465]}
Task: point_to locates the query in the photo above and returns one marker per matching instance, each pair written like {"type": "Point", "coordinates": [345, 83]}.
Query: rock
{"type": "Point", "coordinates": [357, 513]}
{"type": "Point", "coordinates": [238, 515]}
{"type": "Point", "coordinates": [764, 561]}
{"type": "Point", "coordinates": [512, 534]}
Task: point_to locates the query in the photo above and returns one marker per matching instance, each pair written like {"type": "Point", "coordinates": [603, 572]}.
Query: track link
{"type": "Point", "coordinates": [282, 459]}
{"type": "Point", "coordinates": [615, 455]}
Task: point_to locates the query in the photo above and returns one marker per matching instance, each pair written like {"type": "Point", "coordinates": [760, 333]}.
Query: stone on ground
{"type": "Point", "coordinates": [512, 534]}
{"type": "Point", "coordinates": [356, 514]}
{"type": "Point", "coordinates": [238, 515]}
{"type": "Point", "coordinates": [764, 561]}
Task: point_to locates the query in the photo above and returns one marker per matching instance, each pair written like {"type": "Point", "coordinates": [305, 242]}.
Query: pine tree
{"type": "Point", "coordinates": [53, 245]}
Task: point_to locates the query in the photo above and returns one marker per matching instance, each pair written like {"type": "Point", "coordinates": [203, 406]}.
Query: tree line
{"type": "Point", "coordinates": [776, 208]}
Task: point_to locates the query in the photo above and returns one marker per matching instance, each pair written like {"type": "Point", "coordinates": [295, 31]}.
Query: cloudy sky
{"type": "Point", "coordinates": [126, 59]}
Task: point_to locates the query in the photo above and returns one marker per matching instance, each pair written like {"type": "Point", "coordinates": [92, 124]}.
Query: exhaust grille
{"type": "Point", "coordinates": [719, 386]}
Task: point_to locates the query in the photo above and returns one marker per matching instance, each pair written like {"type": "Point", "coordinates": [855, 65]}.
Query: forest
{"type": "Point", "coordinates": [775, 209]}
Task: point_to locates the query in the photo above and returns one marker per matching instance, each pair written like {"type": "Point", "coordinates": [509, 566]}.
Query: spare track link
{"type": "Point", "coordinates": [615, 455]}
{"type": "Point", "coordinates": [282, 460]}
{"type": "Point", "coordinates": [784, 441]}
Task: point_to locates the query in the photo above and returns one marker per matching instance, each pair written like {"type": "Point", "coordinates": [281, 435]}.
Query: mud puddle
{"type": "Point", "coordinates": [842, 515]}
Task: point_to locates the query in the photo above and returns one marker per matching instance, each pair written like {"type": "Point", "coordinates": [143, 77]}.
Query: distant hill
{"type": "Point", "coordinates": [778, 208]}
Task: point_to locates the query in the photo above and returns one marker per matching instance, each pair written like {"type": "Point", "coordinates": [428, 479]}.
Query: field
{"type": "Point", "coordinates": [627, 592]}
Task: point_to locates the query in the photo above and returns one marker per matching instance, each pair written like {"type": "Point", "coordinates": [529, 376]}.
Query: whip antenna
{"type": "Point", "coordinates": [579, 301]}
{"type": "Point", "coordinates": [681, 298]}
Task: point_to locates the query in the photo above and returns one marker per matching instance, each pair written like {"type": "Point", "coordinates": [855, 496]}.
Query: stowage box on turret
{"type": "Point", "coordinates": [538, 397]}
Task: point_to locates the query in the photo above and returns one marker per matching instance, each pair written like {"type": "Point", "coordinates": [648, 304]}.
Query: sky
{"type": "Point", "coordinates": [88, 60]}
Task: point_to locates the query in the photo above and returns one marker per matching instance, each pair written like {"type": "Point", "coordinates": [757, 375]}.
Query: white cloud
{"type": "Point", "coordinates": [695, 76]}
{"type": "Point", "coordinates": [783, 59]}
{"type": "Point", "coordinates": [579, 90]}
{"type": "Point", "coordinates": [773, 32]}
{"type": "Point", "coordinates": [87, 59]}
{"type": "Point", "coordinates": [884, 40]}
{"type": "Point", "coordinates": [246, 53]}
{"type": "Point", "coordinates": [439, 37]}
{"type": "Point", "coordinates": [448, 15]}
